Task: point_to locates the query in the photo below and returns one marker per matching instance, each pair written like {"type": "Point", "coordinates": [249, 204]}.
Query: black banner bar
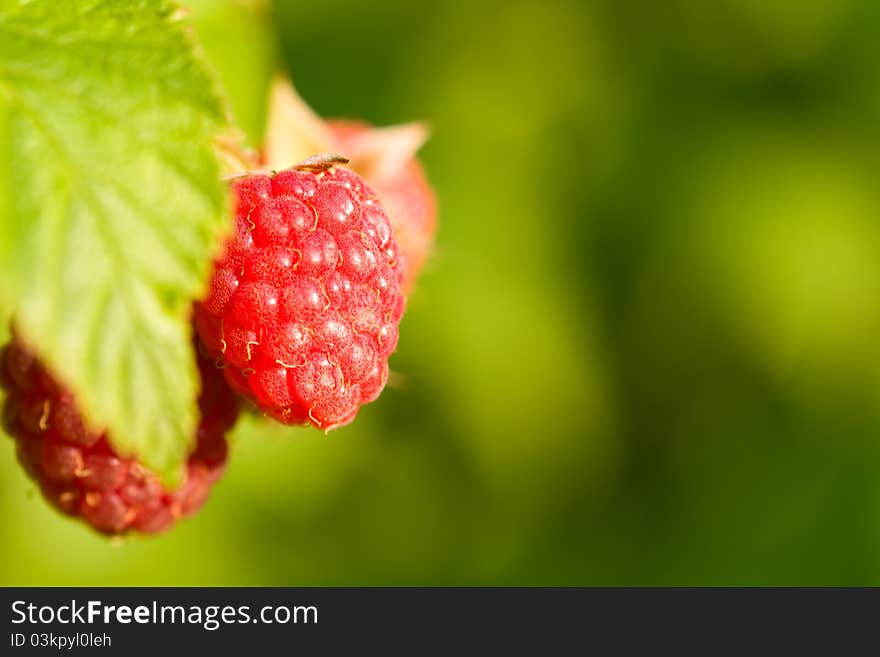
{"type": "Point", "coordinates": [414, 620]}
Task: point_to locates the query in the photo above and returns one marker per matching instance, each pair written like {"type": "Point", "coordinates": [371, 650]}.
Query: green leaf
{"type": "Point", "coordinates": [110, 208]}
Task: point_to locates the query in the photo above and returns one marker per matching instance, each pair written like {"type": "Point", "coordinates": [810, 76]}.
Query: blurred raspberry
{"type": "Point", "coordinates": [401, 185]}
{"type": "Point", "coordinates": [78, 470]}
{"type": "Point", "coordinates": [384, 157]}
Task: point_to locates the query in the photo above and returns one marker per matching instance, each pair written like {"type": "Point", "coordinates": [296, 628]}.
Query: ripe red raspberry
{"type": "Point", "coordinates": [304, 305]}
{"type": "Point", "coordinates": [78, 470]}
{"type": "Point", "coordinates": [406, 195]}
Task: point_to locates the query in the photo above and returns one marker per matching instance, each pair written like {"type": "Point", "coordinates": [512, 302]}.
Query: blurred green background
{"type": "Point", "coordinates": [647, 350]}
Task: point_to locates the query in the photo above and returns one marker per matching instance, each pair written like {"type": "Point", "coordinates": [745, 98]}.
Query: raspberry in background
{"type": "Point", "coordinates": [384, 157]}
{"type": "Point", "coordinates": [78, 470]}
{"type": "Point", "coordinates": [303, 306]}
{"type": "Point", "coordinates": [401, 184]}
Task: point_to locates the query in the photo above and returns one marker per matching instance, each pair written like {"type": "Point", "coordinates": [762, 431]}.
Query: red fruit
{"type": "Point", "coordinates": [303, 306]}
{"type": "Point", "coordinates": [78, 470]}
{"type": "Point", "coordinates": [384, 157]}
{"type": "Point", "coordinates": [406, 195]}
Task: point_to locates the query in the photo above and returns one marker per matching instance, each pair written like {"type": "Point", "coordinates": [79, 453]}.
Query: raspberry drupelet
{"type": "Point", "coordinates": [303, 307]}
{"type": "Point", "coordinates": [78, 470]}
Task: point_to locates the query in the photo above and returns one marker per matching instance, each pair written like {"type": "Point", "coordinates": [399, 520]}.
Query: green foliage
{"type": "Point", "coordinates": [110, 207]}
{"type": "Point", "coordinates": [238, 40]}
